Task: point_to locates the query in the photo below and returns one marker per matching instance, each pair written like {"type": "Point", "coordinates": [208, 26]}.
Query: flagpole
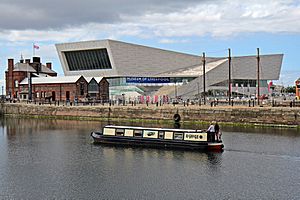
{"type": "Point", "coordinates": [33, 50]}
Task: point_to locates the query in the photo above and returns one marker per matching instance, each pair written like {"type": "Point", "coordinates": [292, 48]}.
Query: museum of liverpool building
{"type": "Point", "coordinates": [135, 70]}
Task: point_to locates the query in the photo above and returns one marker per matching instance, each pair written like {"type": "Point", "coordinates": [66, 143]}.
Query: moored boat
{"type": "Point", "coordinates": [158, 137]}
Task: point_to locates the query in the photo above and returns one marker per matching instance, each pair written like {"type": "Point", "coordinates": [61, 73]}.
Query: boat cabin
{"type": "Point", "coordinates": [156, 133]}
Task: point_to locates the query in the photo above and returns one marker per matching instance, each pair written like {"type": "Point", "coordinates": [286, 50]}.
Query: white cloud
{"type": "Point", "coordinates": [172, 41]}
{"type": "Point", "coordinates": [216, 18]}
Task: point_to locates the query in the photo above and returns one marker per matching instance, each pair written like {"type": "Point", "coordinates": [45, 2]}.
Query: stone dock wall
{"type": "Point", "coordinates": [239, 115]}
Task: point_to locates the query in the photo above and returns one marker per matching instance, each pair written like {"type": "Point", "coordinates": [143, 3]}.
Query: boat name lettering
{"type": "Point", "coordinates": [193, 136]}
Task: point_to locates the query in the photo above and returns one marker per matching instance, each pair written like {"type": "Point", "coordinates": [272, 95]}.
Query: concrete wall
{"type": "Point", "coordinates": [260, 115]}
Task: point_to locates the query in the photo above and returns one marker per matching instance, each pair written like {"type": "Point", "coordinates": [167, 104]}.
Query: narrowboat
{"type": "Point", "coordinates": [158, 137]}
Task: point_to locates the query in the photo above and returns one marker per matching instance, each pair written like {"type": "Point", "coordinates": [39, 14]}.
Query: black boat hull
{"type": "Point", "coordinates": [157, 143]}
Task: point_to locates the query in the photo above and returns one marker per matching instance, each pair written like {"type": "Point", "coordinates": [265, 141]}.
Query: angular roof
{"type": "Point", "coordinates": [25, 67]}
{"type": "Point", "coordinates": [132, 60]}
{"type": "Point", "coordinates": [51, 80]}
{"type": "Point", "coordinates": [129, 59]}
{"type": "Point", "coordinates": [194, 70]}
{"type": "Point", "coordinates": [241, 68]}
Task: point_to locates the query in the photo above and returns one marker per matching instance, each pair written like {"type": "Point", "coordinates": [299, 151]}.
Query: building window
{"type": "Point", "coordinates": [161, 134]}
{"type": "Point", "coordinates": [137, 133]}
{"type": "Point", "coordinates": [120, 132]}
{"type": "Point", "coordinates": [178, 136]}
{"type": "Point", "coordinates": [93, 86]}
{"type": "Point", "coordinates": [88, 59]}
{"type": "Point", "coordinates": [16, 83]}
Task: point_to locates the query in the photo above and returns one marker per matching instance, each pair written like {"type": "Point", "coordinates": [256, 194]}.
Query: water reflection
{"type": "Point", "coordinates": [55, 159]}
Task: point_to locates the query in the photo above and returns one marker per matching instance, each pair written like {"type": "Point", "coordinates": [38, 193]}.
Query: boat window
{"type": "Point", "coordinates": [161, 134]}
{"type": "Point", "coordinates": [178, 136]}
{"type": "Point", "coordinates": [137, 133]}
{"type": "Point", "coordinates": [120, 132]}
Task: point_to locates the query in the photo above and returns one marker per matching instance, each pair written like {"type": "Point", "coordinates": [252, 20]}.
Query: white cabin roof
{"type": "Point", "coordinates": [148, 128]}
{"type": "Point", "coordinates": [51, 80]}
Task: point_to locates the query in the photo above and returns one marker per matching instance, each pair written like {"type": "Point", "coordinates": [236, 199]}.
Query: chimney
{"type": "Point", "coordinates": [49, 65]}
{"type": "Point", "coordinates": [36, 64]}
{"type": "Point", "coordinates": [10, 64]}
{"type": "Point", "coordinates": [36, 59]}
{"type": "Point", "coordinates": [27, 61]}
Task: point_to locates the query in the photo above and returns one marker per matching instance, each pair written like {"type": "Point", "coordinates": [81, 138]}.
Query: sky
{"type": "Point", "coordinates": [189, 26]}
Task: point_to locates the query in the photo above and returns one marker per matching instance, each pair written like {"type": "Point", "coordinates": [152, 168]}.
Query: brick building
{"type": "Point", "coordinates": [19, 71]}
{"type": "Point", "coordinates": [68, 88]}
{"type": "Point", "coordinates": [46, 86]}
{"type": "Point", "coordinates": [98, 88]}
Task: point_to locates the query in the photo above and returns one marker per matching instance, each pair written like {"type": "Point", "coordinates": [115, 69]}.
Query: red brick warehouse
{"type": "Point", "coordinates": [19, 71]}
{"type": "Point", "coordinates": [46, 86]}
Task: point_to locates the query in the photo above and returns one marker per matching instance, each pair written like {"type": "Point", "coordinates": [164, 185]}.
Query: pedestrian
{"type": "Point", "coordinates": [211, 131]}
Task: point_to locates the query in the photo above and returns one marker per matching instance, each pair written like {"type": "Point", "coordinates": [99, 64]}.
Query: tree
{"type": "Point", "coordinates": [290, 89]}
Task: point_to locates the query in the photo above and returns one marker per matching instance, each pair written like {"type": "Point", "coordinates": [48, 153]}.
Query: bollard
{"type": "Point", "coordinates": [249, 103]}
{"type": "Point", "coordinates": [253, 102]}
{"type": "Point", "coordinates": [231, 103]}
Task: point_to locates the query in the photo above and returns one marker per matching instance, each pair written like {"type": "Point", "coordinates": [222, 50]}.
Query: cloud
{"type": "Point", "coordinates": [55, 14]}
{"type": "Point", "coordinates": [63, 21]}
{"type": "Point", "coordinates": [172, 41]}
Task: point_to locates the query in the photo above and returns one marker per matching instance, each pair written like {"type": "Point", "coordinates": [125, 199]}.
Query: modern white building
{"type": "Point", "coordinates": [133, 68]}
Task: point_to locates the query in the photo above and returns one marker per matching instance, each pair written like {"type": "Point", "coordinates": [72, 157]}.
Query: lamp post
{"type": "Point", "coordinates": [258, 62]}
{"type": "Point", "coordinates": [229, 76]}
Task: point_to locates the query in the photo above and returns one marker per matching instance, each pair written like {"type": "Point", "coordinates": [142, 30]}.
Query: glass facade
{"type": "Point", "coordinates": [93, 86]}
{"type": "Point", "coordinates": [88, 59]}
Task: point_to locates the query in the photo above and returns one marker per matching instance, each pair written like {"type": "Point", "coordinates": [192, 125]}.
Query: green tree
{"type": "Point", "coordinates": [290, 89]}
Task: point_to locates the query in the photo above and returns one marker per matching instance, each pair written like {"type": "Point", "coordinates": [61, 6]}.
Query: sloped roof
{"type": "Point", "coordinates": [130, 59]}
{"type": "Point", "coordinates": [242, 68]}
{"type": "Point", "coordinates": [45, 69]}
{"type": "Point", "coordinates": [137, 60]}
{"type": "Point", "coordinates": [194, 71]}
{"type": "Point", "coordinates": [51, 80]}
{"type": "Point", "coordinates": [25, 67]}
